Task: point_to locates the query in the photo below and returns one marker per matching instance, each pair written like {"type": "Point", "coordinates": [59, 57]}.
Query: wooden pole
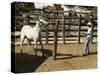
{"type": "Point", "coordinates": [47, 34]}
{"type": "Point", "coordinates": [55, 39]}
{"type": "Point", "coordinates": [63, 28]}
{"type": "Point", "coordinates": [92, 33]}
{"type": "Point", "coordinates": [79, 29]}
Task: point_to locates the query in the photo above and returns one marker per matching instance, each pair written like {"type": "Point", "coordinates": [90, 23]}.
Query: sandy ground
{"type": "Point", "coordinates": [69, 57]}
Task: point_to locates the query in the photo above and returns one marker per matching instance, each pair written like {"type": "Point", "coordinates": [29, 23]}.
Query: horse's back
{"type": "Point", "coordinates": [26, 27]}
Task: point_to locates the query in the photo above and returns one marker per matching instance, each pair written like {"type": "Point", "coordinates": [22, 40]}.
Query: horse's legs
{"type": "Point", "coordinates": [35, 47]}
{"type": "Point", "coordinates": [41, 44]}
{"type": "Point", "coordinates": [40, 40]}
{"type": "Point", "coordinates": [41, 47]}
{"type": "Point", "coordinates": [30, 43]}
{"type": "Point", "coordinates": [21, 42]}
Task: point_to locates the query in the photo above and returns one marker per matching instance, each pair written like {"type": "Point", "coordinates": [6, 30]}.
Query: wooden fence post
{"type": "Point", "coordinates": [92, 33]}
{"type": "Point", "coordinates": [47, 34]}
{"type": "Point", "coordinates": [55, 39]}
{"type": "Point", "coordinates": [79, 29]}
{"type": "Point", "coordinates": [63, 28]}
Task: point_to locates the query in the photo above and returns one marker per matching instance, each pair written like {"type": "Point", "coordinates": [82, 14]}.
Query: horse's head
{"type": "Point", "coordinates": [43, 19]}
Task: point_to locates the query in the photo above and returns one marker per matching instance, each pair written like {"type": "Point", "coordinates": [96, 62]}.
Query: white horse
{"type": "Point", "coordinates": [32, 33]}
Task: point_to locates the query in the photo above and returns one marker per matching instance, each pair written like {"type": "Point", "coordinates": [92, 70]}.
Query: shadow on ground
{"type": "Point", "coordinates": [28, 62]}
{"type": "Point", "coordinates": [70, 56]}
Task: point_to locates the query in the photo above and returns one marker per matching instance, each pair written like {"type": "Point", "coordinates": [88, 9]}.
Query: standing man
{"type": "Point", "coordinates": [88, 39]}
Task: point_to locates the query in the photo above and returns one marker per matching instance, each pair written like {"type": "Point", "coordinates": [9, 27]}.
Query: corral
{"type": "Point", "coordinates": [62, 40]}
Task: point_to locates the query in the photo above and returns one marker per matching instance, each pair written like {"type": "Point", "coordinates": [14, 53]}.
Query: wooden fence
{"type": "Point", "coordinates": [70, 29]}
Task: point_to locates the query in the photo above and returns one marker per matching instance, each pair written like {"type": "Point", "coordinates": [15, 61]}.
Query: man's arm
{"type": "Point", "coordinates": [85, 34]}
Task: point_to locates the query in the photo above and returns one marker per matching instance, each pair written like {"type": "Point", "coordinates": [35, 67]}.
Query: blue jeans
{"type": "Point", "coordinates": [86, 46]}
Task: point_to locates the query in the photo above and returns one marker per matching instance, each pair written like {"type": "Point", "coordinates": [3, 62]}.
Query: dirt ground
{"type": "Point", "coordinates": [69, 57]}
